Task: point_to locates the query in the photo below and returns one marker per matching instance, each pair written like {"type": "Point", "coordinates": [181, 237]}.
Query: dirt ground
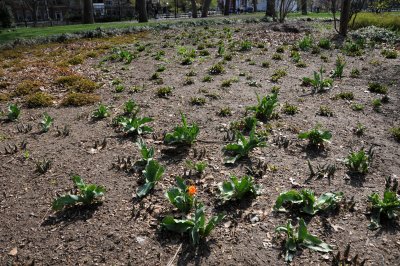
{"type": "Point", "coordinates": [126, 231]}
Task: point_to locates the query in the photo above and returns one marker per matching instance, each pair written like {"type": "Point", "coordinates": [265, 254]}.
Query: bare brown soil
{"type": "Point", "coordinates": [125, 231]}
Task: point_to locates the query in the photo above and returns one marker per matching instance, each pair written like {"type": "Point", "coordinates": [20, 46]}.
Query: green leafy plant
{"type": "Point", "coordinates": [198, 167]}
{"type": "Point", "coordinates": [131, 108]}
{"type": "Point", "coordinates": [197, 227]}
{"type": "Point", "coordinates": [318, 83]}
{"type": "Point", "coordinates": [389, 53]}
{"type": "Point", "coordinates": [355, 73]}
{"type": "Point", "coordinates": [146, 153]}
{"type": "Point", "coordinates": [198, 101]}
{"type": "Point", "coordinates": [225, 111]}
{"type": "Point", "coordinates": [359, 129]}
{"type": "Point", "coordinates": [339, 66]}
{"type": "Point", "coordinates": [376, 104]}
{"type": "Point", "coordinates": [353, 49]}
{"type": "Point", "coordinates": [277, 57]}
{"type": "Point", "coordinates": [243, 146]}
{"type": "Point", "coordinates": [359, 162]}
{"type": "Point", "coordinates": [345, 95]}
{"type": "Point", "coordinates": [316, 136]}
{"type": "Point", "coordinates": [307, 202]}
{"type": "Point", "coordinates": [152, 174]}
{"type": "Point", "coordinates": [86, 194]}
{"type": "Point", "coordinates": [182, 135]}
{"type": "Point", "coordinates": [306, 43]}
{"type": "Point", "coordinates": [182, 196]}
{"type": "Point", "coordinates": [300, 238]}
{"type": "Point", "coordinates": [265, 108]}
{"type": "Point", "coordinates": [101, 112]}
{"type": "Point", "coordinates": [245, 46]}
{"type": "Point", "coordinates": [135, 126]}
{"type": "Point", "coordinates": [325, 111]}
{"type": "Point", "coordinates": [388, 207]}
{"type": "Point", "coordinates": [357, 107]}
{"type": "Point", "coordinates": [236, 189]}
{"type": "Point", "coordinates": [13, 112]}
{"type": "Point", "coordinates": [324, 43]}
{"type": "Point", "coordinates": [46, 122]}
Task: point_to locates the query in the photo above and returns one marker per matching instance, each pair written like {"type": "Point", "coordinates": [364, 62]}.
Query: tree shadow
{"type": "Point", "coordinates": [72, 214]}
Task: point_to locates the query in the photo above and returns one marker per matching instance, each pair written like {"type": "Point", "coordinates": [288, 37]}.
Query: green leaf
{"type": "Point", "coordinates": [153, 171]}
{"type": "Point", "coordinates": [64, 201]}
{"type": "Point", "coordinates": [291, 196]}
{"type": "Point", "coordinates": [212, 223]}
{"type": "Point", "coordinates": [145, 189]}
{"type": "Point", "coordinates": [175, 225]}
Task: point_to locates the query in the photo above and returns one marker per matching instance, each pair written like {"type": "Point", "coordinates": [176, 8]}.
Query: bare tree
{"type": "Point", "coordinates": [349, 11]}
{"type": "Point", "coordinates": [255, 5]}
{"type": "Point", "coordinates": [285, 6]}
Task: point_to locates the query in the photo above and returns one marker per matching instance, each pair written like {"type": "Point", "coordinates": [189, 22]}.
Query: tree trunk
{"type": "Point", "coordinates": [206, 6]}
{"type": "Point", "coordinates": [344, 17]}
{"type": "Point", "coordinates": [88, 17]}
{"type": "Point", "coordinates": [234, 6]}
{"type": "Point", "coordinates": [142, 10]}
{"type": "Point", "coordinates": [194, 8]}
{"type": "Point", "coordinates": [226, 8]}
{"type": "Point", "coordinates": [303, 7]}
{"type": "Point", "coordinates": [255, 5]}
{"type": "Point", "coordinates": [271, 9]}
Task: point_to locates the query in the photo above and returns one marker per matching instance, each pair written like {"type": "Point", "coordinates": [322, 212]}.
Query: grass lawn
{"type": "Point", "coordinates": [33, 33]}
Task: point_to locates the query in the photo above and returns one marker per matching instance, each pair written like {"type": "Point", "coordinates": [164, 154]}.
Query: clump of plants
{"type": "Point", "coordinates": [290, 109]}
{"type": "Point", "coordinates": [39, 99]}
{"type": "Point", "coordinates": [245, 46]}
{"type": "Point", "coordinates": [318, 83]}
{"type": "Point", "coordinates": [225, 111]}
{"type": "Point", "coordinates": [236, 189]}
{"type": "Point", "coordinates": [13, 112]}
{"type": "Point", "coordinates": [388, 207]}
{"type": "Point", "coordinates": [345, 95]}
{"type": "Point", "coordinates": [389, 53]}
{"type": "Point", "coordinates": [360, 161]}
{"type": "Point", "coordinates": [135, 125]}
{"type": "Point", "coordinates": [216, 69]}
{"type": "Point", "coordinates": [164, 91]}
{"type": "Point", "coordinates": [182, 135]}
{"type": "Point", "coordinates": [265, 108]}
{"type": "Point", "coordinates": [300, 238]}
{"type": "Point", "coordinates": [152, 173]}
{"type": "Point", "coordinates": [182, 196]}
{"type": "Point", "coordinates": [278, 74]}
{"type": "Point", "coordinates": [79, 84]}
{"type": "Point", "coordinates": [46, 122]}
{"type": "Point", "coordinates": [85, 194]}
{"type": "Point", "coordinates": [243, 146]}
{"type": "Point", "coordinates": [196, 226]}
{"type": "Point", "coordinates": [376, 87]}
{"type": "Point", "coordinates": [339, 67]}
{"type": "Point", "coordinates": [395, 132]}
{"type": "Point", "coordinates": [306, 43]}
{"type": "Point", "coordinates": [325, 111]}
{"type": "Point", "coordinates": [316, 136]}
{"type": "Point", "coordinates": [324, 43]}
{"type": "Point", "coordinates": [307, 202]}
{"type": "Point", "coordinates": [354, 73]}
{"type": "Point", "coordinates": [101, 112]}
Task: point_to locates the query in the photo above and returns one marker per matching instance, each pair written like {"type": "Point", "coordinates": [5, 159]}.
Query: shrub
{"type": "Point", "coordinates": [324, 43]}
{"type": "Point", "coordinates": [76, 83]}
{"type": "Point", "coordinates": [390, 54]}
{"type": "Point", "coordinates": [80, 99]}
{"type": "Point", "coordinates": [306, 43]}
{"type": "Point", "coordinates": [39, 99]}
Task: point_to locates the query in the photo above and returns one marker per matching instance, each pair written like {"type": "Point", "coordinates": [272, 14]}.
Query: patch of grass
{"type": "Point", "coordinates": [376, 87]}
{"type": "Point", "coordinates": [325, 111]}
{"type": "Point", "coordinates": [280, 49]}
{"type": "Point", "coordinates": [80, 99]}
{"type": "Point", "coordinates": [164, 91]}
{"type": "Point", "coordinates": [265, 64]}
{"type": "Point", "coordinates": [396, 133]}
{"type": "Point", "coordinates": [344, 96]}
{"type": "Point", "coordinates": [4, 97]}
{"type": "Point", "coordinates": [376, 104]}
{"type": "Point", "coordinates": [355, 73]}
{"type": "Point", "coordinates": [76, 60]}
{"type": "Point", "coordinates": [277, 57]}
{"type": "Point", "coordinates": [389, 54]}
{"type": "Point", "coordinates": [278, 74]}
{"type": "Point", "coordinates": [290, 109]}
{"type": "Point", "coordinates": [198, 101]}
{"type": "Point", "coordinates": [275, 89]}
{"type": "Point", "coordinates": [216, 69]}
{"type": "Point", "coordinates": [207, 78]}
{"type": "Point", "coordinates": [76, 83]}
{"type": "Point", "coordinates": [357, 107]}
{"type": "Point", "coordinates": [39, 99]}
{"type": "Point", "coordinates": [324, 43]}
{"type": "Point", "coordinates": [27, 87]}
{"type": "Point", "coordinates": [225, 111]}
{"type": "Point", "coordinates": [383, 20]}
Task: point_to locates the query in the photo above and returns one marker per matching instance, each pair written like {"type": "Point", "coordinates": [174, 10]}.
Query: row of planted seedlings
{"type": "Point", "coordinates": [183, 197]}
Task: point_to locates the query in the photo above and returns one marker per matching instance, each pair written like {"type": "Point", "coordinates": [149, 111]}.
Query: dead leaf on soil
{"type": "Point", "coordinates": [13, 252]}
